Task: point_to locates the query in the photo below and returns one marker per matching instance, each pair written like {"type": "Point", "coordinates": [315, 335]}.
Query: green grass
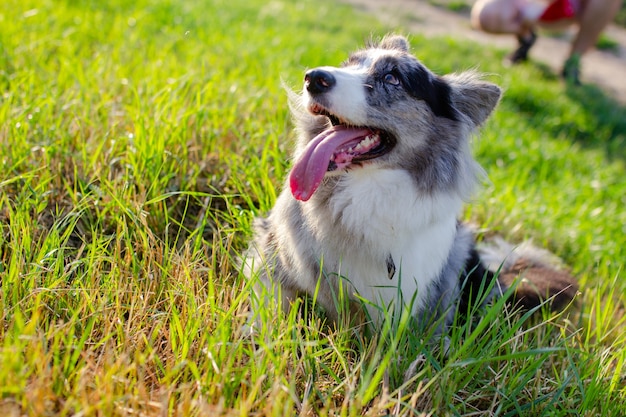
{"type": "Point", "coordinates": [139, 139]}
{"type": "Point", "coordinates": [457, 6]}
{"type": "Point", "coordinates": [605, 43]}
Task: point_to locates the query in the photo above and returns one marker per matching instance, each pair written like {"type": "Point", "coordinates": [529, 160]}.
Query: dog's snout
{"type": "Point", "coordinates": [318, 81]}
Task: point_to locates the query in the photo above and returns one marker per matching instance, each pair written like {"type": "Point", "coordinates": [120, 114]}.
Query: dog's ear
{"type": "Point", "coordinates": [474, 97]}
{"type": "Point", "coordinates": [394, 42]}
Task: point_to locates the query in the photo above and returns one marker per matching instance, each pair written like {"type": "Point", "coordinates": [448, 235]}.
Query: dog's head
{"type": "Point", "coordinates": [383, 106]}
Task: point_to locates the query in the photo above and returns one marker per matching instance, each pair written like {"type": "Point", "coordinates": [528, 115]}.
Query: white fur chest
{"type": "Point", "coordinates": [383, 209]}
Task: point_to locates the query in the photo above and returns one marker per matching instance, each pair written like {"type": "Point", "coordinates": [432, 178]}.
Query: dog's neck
{"type": "Point", "coordinates": [378, 208]}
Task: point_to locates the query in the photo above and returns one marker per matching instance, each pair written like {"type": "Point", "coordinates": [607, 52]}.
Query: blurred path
{"type": "Point", "coordinates": [604, 69]}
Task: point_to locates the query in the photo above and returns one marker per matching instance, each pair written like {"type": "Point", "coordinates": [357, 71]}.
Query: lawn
{"type": "Point", "coordinates": [139, 139]}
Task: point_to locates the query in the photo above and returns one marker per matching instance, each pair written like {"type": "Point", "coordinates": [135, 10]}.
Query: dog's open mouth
{"type": "Point", "coordinates": [337, 147]}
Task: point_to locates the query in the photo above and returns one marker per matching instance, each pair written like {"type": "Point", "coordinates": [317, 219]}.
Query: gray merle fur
{"type": "Point", "coordinates": [390, 221]}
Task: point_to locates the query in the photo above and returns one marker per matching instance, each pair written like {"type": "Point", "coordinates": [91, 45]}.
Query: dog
{"type": "Point", "coordinates": [381, 170]}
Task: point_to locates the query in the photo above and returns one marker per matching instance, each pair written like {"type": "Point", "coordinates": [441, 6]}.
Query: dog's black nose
{"type": "Point", "coordinates": [318, 81]}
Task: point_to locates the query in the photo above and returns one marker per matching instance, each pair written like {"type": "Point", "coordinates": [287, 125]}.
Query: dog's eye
{"type": "Point", "coordinates": [389, 78]}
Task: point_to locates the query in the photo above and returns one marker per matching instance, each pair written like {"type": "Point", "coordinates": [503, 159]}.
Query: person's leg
{"type": "Point", "coordinates": [497, 16]}
{"type": "Point", "coordinates": [594, 17]}
{"type": "Point", "coordinates": [507, 17]}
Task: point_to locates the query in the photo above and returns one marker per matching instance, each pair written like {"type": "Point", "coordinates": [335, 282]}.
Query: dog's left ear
{"type": "Point", "coordinates": [474, 97]}
{"type": "Point", "coordinates": [396, 42]}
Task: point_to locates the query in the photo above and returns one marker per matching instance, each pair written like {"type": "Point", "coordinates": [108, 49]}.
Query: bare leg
{"type": "Point", "coordinates": [595, 16]}
{"type": "Point", "coordinates": [497, 16]}
{"type": "Point", "coordinates": [508, 17]}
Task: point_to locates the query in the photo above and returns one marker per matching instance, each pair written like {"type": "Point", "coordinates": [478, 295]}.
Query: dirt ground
{"type": "Point", "coordinates": [607, 70]}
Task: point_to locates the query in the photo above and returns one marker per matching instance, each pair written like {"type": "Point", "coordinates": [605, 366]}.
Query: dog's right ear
{"type": "Point", "coordinates": [474, 97]}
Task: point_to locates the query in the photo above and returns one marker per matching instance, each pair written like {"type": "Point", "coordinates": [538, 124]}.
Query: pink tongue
{"type": "Point", "coordinates": [309, 170]}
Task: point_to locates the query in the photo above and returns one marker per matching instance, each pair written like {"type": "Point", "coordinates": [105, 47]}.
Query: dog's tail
{"type": "Point", "coordinates": [536, 275]}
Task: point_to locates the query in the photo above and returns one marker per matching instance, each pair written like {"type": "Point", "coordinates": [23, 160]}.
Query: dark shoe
{"type": "Point", "coordinates": [521, 53]}
{"type": "Point", "coordinates": [571, 70]}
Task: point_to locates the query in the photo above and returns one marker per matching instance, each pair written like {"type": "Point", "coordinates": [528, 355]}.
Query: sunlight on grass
{"type": "Point", "coordinates": [138, 141]}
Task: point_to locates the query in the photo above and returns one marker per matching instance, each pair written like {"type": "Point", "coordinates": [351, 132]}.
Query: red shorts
{"type": "Point", "coordinates": [559, 10]}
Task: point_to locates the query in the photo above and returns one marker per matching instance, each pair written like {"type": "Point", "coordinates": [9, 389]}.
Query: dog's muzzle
{"type": "Point", "coordinates": [318, 81]}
